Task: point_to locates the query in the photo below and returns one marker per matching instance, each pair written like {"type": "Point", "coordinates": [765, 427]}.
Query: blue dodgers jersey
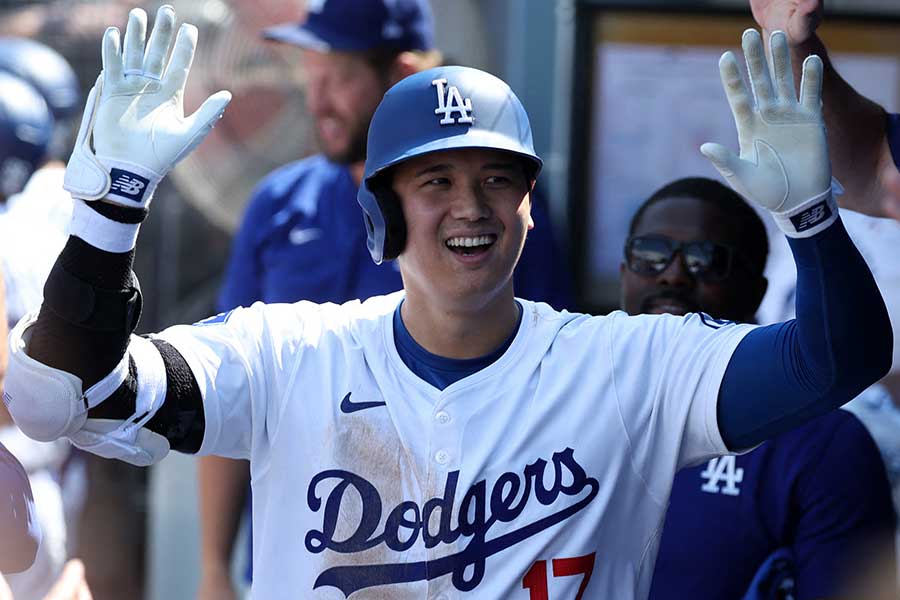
{"type": "Point", "coordinates": [303, 238]}
{"type": "Point", "coordinates": [820, 491]}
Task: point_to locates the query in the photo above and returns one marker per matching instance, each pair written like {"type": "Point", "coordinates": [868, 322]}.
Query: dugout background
{"type": "Point", "coordinates": [646, 94]}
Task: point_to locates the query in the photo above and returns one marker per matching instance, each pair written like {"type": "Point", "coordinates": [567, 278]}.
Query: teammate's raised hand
{"type": "Point", "coordinates": [134, 128]}
{"type": "Point", "coordinates": [797, 18]}
{"type": "Point", "coordinates": [783, 163]}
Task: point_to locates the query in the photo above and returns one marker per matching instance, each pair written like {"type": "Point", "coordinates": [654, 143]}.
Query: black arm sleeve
{"type": "Point", "coordinates": [91, 353]}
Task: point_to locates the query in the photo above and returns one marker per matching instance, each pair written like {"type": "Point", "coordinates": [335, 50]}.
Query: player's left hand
{"type": "Point", "coordinates": [783, 163]}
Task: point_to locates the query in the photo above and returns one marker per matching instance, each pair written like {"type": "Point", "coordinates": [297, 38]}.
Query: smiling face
{"type": "Point", "coordinates": [675, 290]}
{"type": "Point", "coordinates": [342, 92]}
{"type": "Point", "coordinates": [467, 213]}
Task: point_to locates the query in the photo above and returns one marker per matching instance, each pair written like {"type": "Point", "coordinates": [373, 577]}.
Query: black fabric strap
{"type": "Point", "coordinates": [181, 418]}
{"type": "Point", "coordinates": [83, 304]}
{"type": "Point", "coordinates": [117, 212]}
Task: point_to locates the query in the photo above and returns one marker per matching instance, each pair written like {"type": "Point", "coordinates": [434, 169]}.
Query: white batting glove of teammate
{"type": "Point", "coordinates": [134, 130]}
{"type": "Point", "coordinates": [783, 165]}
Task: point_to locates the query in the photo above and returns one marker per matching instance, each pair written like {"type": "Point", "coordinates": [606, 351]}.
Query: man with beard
{"type": "Point", "coordinates": [802, 510]}
{"type": "Point", "coordinates": [302, 237]}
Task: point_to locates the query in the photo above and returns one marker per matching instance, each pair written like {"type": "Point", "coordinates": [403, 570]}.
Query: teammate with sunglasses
{"type": "Point", "coordinates": [708, 267]}
{"type": "Point", "coordinates": [802, 510]}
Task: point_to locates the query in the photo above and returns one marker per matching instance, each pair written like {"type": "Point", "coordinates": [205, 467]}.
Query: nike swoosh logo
{"type": "Point", "coordinates": [299, 235]}
{"type": "Point", "coordinates": [351, 407]}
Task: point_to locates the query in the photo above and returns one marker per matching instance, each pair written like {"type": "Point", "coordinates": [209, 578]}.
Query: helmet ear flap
{"type": "Point", "coordinates": [392, 212]}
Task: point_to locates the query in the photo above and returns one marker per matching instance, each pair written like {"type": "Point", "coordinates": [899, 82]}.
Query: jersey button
{"type": "Point", "coordinates": [442, 417]}
{"type": "Point", "coordinates": [442, 457]}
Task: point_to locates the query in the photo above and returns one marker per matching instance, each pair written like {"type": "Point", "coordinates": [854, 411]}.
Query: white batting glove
{"type": "Point", "coordinates": [134, 130]}
{"type": "Point", "coordinates": [784, 163]}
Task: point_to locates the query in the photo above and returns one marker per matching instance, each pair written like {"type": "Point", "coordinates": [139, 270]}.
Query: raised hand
{"type": "Point", "coordinates": [134, 129]}
{"type": "Point", "coordinates": [797, 18]}
{"type": "Point", "coordinates": [783, 163]}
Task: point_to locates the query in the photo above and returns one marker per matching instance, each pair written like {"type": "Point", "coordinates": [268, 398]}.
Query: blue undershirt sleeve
{"type": "Point", "coordinates": [782, 375]}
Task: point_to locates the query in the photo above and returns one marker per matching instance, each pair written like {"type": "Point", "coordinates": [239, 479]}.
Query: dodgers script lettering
{"type": "Point", "coordinates": [406, 523]}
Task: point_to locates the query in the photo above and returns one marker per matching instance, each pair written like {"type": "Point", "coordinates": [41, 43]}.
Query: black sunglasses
{"type": "Point", "coordinates": [705, 260]}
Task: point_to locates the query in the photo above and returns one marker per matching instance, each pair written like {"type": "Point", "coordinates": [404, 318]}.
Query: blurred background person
{"type": "Point", "coordinates": [20, 532]}
{"type": "Point", "coordinates": [41, 99]}
{"type": "Point", "coordinates": [864, 143]}
{"type": "Point", "coordinates": [302, 237]}
{"type": "Point", "coordinates": [796, 517]}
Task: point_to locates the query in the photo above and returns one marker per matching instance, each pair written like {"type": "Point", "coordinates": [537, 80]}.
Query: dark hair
{"type": "Point", "coordinates": [753, 242]}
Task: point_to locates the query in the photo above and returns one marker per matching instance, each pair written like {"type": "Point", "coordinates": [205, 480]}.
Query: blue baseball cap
{"type": "Point", "coordinates": [360, 25]}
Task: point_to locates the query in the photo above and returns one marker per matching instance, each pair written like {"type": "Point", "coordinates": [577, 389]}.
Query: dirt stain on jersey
{"type": "Point", "coordinates": [367, 444]}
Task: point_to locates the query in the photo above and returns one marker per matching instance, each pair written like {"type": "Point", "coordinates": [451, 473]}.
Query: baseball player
{"type": "Point", "coordinates": [449, 439]}
{"type": "Point", "coordinates": [815, 497]}
{"type": "Point", "coordinates": [301, 239]}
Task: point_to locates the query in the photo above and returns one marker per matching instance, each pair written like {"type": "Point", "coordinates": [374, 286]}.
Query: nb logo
{"type": "Point", "coordinates": [812, 217]}
{"type": "Point", "coordinates": [127, 184]}
{"type": "Point", "coordinates": [722, 469]}
{"type": "Point", "coordinates": [452, 102]}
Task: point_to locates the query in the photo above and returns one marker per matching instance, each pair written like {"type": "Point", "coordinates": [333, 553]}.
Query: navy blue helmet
{"type": "Point", "coordinates": [46, 70]}
{"type": "Point", "coordinates": [439, 109]}
{"type": "Point", "coordinates": [26, 128]}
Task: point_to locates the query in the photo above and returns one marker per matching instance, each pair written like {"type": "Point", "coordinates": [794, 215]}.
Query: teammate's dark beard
{"type": "Point", "coordinates": [356, 150]}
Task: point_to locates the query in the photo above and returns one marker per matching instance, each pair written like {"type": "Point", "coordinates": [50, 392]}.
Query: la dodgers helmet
{"type": "Point", "coordinates": [439, 109]}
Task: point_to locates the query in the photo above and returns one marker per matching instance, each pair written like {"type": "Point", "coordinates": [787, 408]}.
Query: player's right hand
{"type": "Point", "coordinates": [797, 18]}
{"type": "Point", "coordinates": [134, 129]}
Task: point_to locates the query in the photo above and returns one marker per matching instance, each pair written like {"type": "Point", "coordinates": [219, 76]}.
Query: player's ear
{"type": "Point", "coordinates": [404, 65]}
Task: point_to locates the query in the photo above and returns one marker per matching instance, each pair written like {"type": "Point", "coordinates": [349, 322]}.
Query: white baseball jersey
{"type": "Point", "coordinates": [543, 476]}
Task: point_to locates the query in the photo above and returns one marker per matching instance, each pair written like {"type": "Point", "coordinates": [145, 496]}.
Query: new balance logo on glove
{"type": "Point", "coordinates": [128, 185]}
{"type": "Point", "coordinates": [811, 217]}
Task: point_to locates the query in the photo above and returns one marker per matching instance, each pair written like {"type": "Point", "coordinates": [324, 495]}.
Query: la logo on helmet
{"type": "Point", "coordinates": [452, 103]}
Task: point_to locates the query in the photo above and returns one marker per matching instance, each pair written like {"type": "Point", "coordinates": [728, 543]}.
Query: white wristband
{"type": "Point", "coordinates": [810, 217]}
{"type": "Point", "coordinates": [102, 232]}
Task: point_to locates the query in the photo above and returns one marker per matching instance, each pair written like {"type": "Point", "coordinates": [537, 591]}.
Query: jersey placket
{"type": "Point", "coordinates": [444, 458]}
